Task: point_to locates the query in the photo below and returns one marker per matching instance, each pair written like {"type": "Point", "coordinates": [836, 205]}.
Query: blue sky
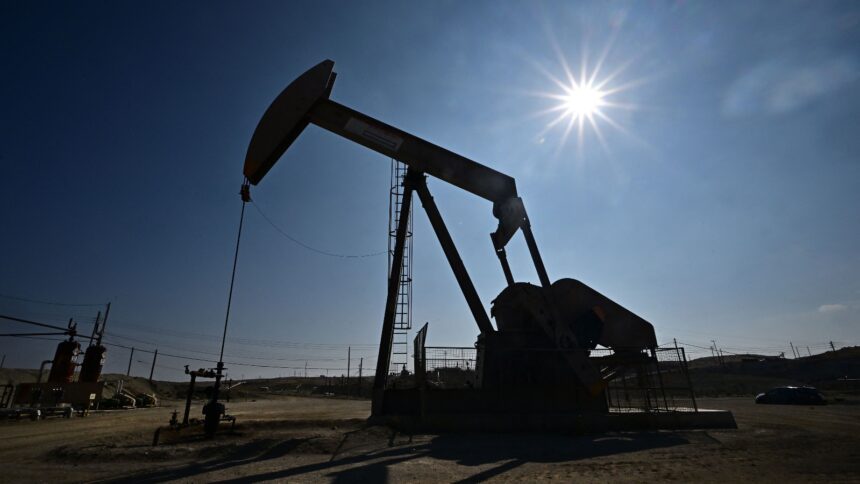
{"type": "Point", "coordinates": [726, 206]}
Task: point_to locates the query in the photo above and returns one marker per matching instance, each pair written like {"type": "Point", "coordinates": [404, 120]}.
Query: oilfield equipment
{"type": "Point", "coordinates": [213, 411]}
{"type": "Point", "coordinates": [65, 387]}
{"type": "Point", "coordinates": [562, 355]}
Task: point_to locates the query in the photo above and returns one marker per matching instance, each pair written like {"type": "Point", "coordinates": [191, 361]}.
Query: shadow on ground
{"type": "Point", "coordinates": [372, 465]}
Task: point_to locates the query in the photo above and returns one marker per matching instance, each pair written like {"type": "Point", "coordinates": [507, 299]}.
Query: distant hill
{"type": "Point", "coordinates": [133, 384]}
{"type": "Point", "coordinates": [751, 374]}
{"type": "Point", "coordinates": [248, 389]}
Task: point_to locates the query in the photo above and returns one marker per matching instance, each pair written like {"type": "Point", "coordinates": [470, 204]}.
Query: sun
{"type": "Point", "coordinates": [582, 101]}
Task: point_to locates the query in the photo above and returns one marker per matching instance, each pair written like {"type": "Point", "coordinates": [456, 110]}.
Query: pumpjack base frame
{"type": "Point", "coordinates": [475, 410]}
{"type": "Point", "coordinates": [582, 423]}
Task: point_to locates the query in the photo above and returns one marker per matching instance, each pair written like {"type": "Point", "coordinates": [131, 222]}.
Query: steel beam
{"type": "Point", "coordinates": [506, 268]}
{"type": "Point", "coordinates": [453, 257]}
{"type": "Point", "coordinates": [536, 258]}
{"type": "Point", "coordinates": [306, 100]}
{"type": "Point", "coordinates": [419, 154]}
{"type": "Point", "coordinates": [384, 359]}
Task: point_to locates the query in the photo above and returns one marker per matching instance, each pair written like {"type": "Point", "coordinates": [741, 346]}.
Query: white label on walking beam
{"type": "Point", "coordinates": [379, 136]}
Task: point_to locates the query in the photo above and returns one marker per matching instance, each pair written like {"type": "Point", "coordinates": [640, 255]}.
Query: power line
{"type": "Point", "coordinates": [149, 328]}
{"type": "Point", "coordinates": [231, 356]}
{"type": "Point", "coordinates": [34, 323]}
{"type": "Point", "coordinates": [270, 343]}
{"type": "Point", "coordinates": [36, 337]}
{"type": "Point", "coordinates": [281, 367]}
{"type": "Point", "coordinates": [233, 363]}
{"type": "Point", "coordinates": [310, 248]}
{"type": "Point", "coordinates": [50, 303]}
{"type": "Point", "coordinates": [721, 335]}
{"type": "Point", "coordinates": [203, 360]}
{"type": "Point", "coordinates": [21, 335]}
{"type": "Point", "coordinates": [212, 353]}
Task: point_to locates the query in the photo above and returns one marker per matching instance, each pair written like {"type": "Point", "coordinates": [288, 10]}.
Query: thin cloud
{"type": "Point", "coordinates": [783, 85]}
{"type": "Point", "coordinates": [832, 308]}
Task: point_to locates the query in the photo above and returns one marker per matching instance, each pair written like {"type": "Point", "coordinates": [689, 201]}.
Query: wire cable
{"type": "Point", "coordinates": [35, 323]}
{"type": "Point", "coordinates": [50, 303]}
{"type": "Point", "coordinates": [310, 248]}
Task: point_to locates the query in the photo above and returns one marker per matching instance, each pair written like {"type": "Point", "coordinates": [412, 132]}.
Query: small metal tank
{"type": "Point", "coordinates": [63, 366]}
{"type": "Point", "coordinates": [94, 360]}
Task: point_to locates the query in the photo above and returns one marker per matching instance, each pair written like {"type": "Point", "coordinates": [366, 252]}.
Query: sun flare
{"type": "Point", "coordinates": [585, 99]}
{"type": "Point", "coordinates": [582, 101]}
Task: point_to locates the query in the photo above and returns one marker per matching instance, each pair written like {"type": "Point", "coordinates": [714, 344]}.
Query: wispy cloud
{"type": "Point", "coordinates": [832, 308]}
{"type": "Point", "coordinates": [783, 85]}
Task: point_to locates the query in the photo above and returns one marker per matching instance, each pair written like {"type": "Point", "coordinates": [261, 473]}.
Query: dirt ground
{"type": "Point", "coordinates": [299, 439]}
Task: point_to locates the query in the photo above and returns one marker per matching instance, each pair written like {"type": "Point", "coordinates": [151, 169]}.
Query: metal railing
{"type": "Point", "coordinates": [637, 380]}
{"type": "Point", "coordinates": [656, 381]}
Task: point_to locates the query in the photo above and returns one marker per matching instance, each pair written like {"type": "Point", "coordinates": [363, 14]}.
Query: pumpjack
{"type": "Point", "coordinates": [536, 359]}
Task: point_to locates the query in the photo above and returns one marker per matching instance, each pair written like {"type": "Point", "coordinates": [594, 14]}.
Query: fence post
{"type": "Point", "coordinates": [152, 369]}
{"type": "Point", "coordinates": [130, 356]}
{"type": "Point", "coordinates": [689, 381]}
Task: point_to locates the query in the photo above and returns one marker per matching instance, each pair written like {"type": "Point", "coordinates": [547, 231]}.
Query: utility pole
{"type": "Point", "coordinates": [719, 353]}
{"type": "Point", "coordinates": [306, 369]}
{"type": "Point", "coordinates": [792, 349]}
{"type": "Point", "coordinates": [360, 364]}
{"type": "Point", "coordinates": [348, 357]}
{"type": "Point", "coordinates": [3, 361]}
{"type": "Point", "coordinates": [104, 323]}
{"type": "Point", "coordinates": [151, 370]}
{"type": "Point", "coordinates": [95, 327]}
{"type": "Point", "coordinates": [713, 348]}
{"type": "Point", "coordinates": [832, 348]}
{"type": "Point", "coordinates": [130, 356]}
{"type": "Point", "coordinates": [807, 350]}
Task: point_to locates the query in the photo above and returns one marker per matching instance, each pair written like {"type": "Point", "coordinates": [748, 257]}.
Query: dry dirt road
{"type": "Point", "coordinates": [314, 439]}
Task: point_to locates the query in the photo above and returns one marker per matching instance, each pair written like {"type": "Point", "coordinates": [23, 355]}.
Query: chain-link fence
{"type": "Point", "coordinates": [637, 380]}
{"type": "Point", "coordinates": [648, 381]}
{"type": "Point", "coordinates": [450, 367]}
